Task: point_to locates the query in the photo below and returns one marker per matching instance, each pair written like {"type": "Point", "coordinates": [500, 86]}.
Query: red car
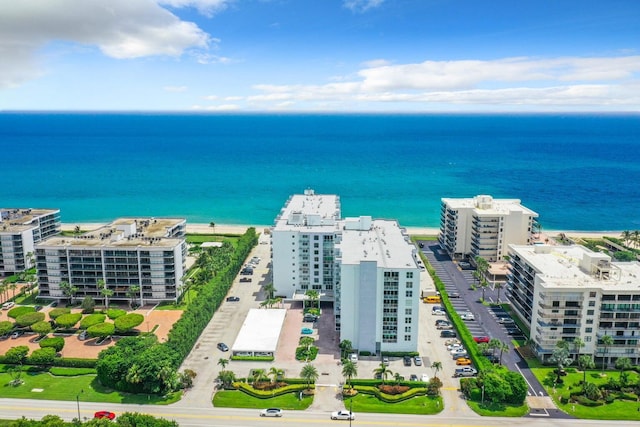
{"type": "Point", "coordinates": [481, 339]}
{"type": "Point", "coordinates": [104, 414]}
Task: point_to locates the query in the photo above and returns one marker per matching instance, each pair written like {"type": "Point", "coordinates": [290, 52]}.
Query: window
{"type": "Point", "coordinates": [407, 329]}
{"type": "Point", "coordinates": [590, 312]}
{"type": "Point", "coordinates": [555, 304]}
{"type": "Point", "coordinates": [409, 294]}
{"type": "Point", "coordinates": [589, 321]}
{"type": "Point", "coordinates": [316, 238]}
{"type": "Point", "coordinates": [407, 320]}
{"type": "Point", "coordinates": [407, 337]}
{"type": "Point", "coordinates": [587, 339]}
{"type": "Point", "coordinates": [588, 330]}
{"type": "Point", "coordinates": [408, 311]}
{"type": "Point", "coordinates": [592, 294]}
{"type": "Point", "coordinates": [409, 274]}
{"type": "Point", "coordinates": [592, 303]}
{"type": "Point", "coordinates": [409, 285]}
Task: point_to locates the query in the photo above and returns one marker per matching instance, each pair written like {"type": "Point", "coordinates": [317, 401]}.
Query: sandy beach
{"type": "Point", "coordinates": [200, 228]}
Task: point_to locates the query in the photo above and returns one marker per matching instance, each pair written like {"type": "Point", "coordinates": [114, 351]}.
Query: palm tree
{"type": "Point", "coordinates": [106, 292]}
{"type": "Point", "coordinates": [626, 237]}
{"type": "Point", "coordinates": [606, 342]}
{"type": "Point", "coordinates": [383, 370]}
{"type": "Point", "coordinates": [636, 237]}
{"type": "Point", "coordinates": [258, 375]}
{"type": "Point", "coordinates": [345, 348]}
{"type": "Point", "coordinates": [349, 370]}
{"type": "Point", "coordinates": [223, 362]}
{"type": "Point", "coordinates": [313, 295]}
{"type": "Point", "coordinates": [68, 290]}
{"type": "Point", "coordinates": [310, 374]}
{"type": "Point", "coordinates": [132, 293]}
{"type": "Point", "coordinates": [483, 285]}
{"type": "Point", "coordinates": [503, 347]}
{"type": "Point", "coordinates": [213, 225]}
{"type": "Point", "coordinates": [577, 343]}
{"type": "Point", "coordinates": [560, 357]}
{"type": "Point", "coordinates": [226, 378]}
{"type": "Point", "coordinates": [623, 363]}
{"type": "Point", "coordinates": [436, 366]}
{"type": "Point", "coordinates": [276, 373]}
{"type": "Point", "coordinates": [585, 362]}
{"type": "Point", "coordinates": [498, 286]}
{"type": "Point", "coordinates": [270, 290]}
{"type": "Point", "coordinates": [494, 344]}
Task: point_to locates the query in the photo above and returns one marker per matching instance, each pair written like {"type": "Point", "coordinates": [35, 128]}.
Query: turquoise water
{"type": "Point", "coordinates": [579, 172]}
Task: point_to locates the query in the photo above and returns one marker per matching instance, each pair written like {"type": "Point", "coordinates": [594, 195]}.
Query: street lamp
{"type": "Point", "coordinates": [350, 410]}
{"type": "Point", "coordinates": [78, 403]}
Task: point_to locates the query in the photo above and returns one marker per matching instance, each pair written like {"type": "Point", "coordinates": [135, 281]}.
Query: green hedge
{"type": "Point", "coordinates": [374, 383]}
{"type": "Point", "coordinates": [253, 358]}
{"type": "Point", "coordinates": [392, 398]}
{"type": "Point", "coordinates": [71, 372]}
{"type": "Point", "coordinates": [68, 362]}
{"type": "Point", "coordinates": [29, 319]}
{"type": "Point", "coordinates": [101, 330]}
{"type": "Point", "coordinates": [92, 319]}
{"type": "Point", "coordinates": [68, 320]}
{"type": "Point", "coordinates": [114, 313]}
{"type": "Point", "coordinates": [267, 394]}
{"type": "Point", "coordinates": [56, 342]}
{"type": "Point", "coordinates": [128, 321]}
{"type": "Point", "coordinates": [57, 312]}
{"type": "Point", "coordinates": [16, 312]}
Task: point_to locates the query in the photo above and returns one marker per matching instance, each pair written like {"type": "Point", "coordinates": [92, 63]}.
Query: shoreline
{"type": "Point", "coordinates": [202, 228]}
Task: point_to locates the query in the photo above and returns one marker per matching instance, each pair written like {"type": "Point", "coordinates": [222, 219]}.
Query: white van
{"type": "Point", "coordinates": [353, 357]}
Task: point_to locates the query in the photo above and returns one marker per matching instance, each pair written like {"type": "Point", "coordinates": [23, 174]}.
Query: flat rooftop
{"type": "Point", "coordinates": [309, 210]}
{"type": "Point", "coordinates": [559, 266]}
{"type": "Point", "coordinates": [20, 219]}
{"type": "Point", "coordinates": [486, 205]}
{"type": "Point", "coordinates": [384, 241]}
{"type": "Point", "coordinates": [125, 232]}
{"type": "Point", "coordinates": [260, 331]}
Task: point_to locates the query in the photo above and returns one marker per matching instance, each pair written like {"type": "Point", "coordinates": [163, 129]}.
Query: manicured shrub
{"type": "Point", "coordinates": [29, 319]}
{"type": "Point", "coordinates": [57, 343]}
{"type": "Point", "coordinates": [41, 328]}
{"type": "Point", "coordinates": [128, 321]}
{"type": "Point", "coordinates": [101, 330]}
{"type": "Point", "coordinates": [88, 305]}
{"type": "Point", "coordinates": [43, 356]}
{"type": "Point", "coordinates": [68, 320]}
{"type": "Point", "coordinates": [114, 313]}
{"type": "Point", "coordinates": [92, 319]}
{"type": "Point", "coordinates": [5, 326]}
{"type": "Point", "coordinates": [16, 355]}
{"type": "Point", "coordinates": [57, 312]}
{"type": "Point", "coordinates": [16, 312]}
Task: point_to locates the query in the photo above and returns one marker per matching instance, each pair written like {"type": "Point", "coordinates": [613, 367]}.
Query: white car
{"type": "Point", "coordinates": [8, 305]}
{"type": "Point", "coordinates": [439, 312]}
{"type": "Point", "coordinates": [467, 316]}
{"type": "Point", "coordinates": [425, 378]}
{"type": "Point", "coordinates": [353, 358]}
{"type": "Point", "coordinates": [454, 346]}
{"type": "Point", "coordinates": [458, 351]}
{"type": "Point", "coordinates": [342, 415]}
{"type": "Point", "coordinates": [271, 412]}
{"type": "Point", "coordinates": [505, 320]}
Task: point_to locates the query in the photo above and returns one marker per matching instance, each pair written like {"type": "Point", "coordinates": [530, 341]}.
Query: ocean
{"type": "Point", "coordinates": [578, 171]}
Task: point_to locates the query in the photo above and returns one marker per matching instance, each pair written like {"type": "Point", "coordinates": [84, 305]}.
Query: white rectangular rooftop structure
{"type": "Point", "coordinates": [259, 333]}
{"type": "Point", "coordinates": [578, 267]}
{"type": "Point", "coordinates": [364, 239]}
{"type": "Point", "coordinates": [309, 210]}
{"type": "Point", "coordinates": [487, 205]}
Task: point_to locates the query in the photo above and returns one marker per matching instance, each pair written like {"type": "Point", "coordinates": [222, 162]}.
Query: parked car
{"type": "Point", "coordinates": [342, 415]}
{"type": "Point", "coordinates": [443, 326]}
{"type": "Point", "coordinates": [233, 299]}
{"type": "Point", "coordinates": [454, 295]}
{"type": "Point", "coordinates": [83, 335]}
{"type": "Point", "coordinates": [493, 358]}
{"type": "Point", "coordinates": [245, 279]}
{"type": "Point", "coordinates": [454, 345]}
{"type": "Point", "coordinates": [104, 414]}
{"type": "Point", "coordinates": [452, 341]}
{"type": "Point", "coordinates": [306, 331]}
{"type": "Point", "coordinates": [460, 356]}
{"type": "Point", "coordinates": [514, 331]}
{"type": "Point", "coordinates": [16, 334]}
{"type": "Point", "coordinates": [413, 377]}
{"type": "Point", "coordinates": [37, 307]}
{"type": "Point", "coordinates": [481, 339]}
{"type": "Point", "coordinates": [448, 334]}
{"type": "Point", "coordinates": [8, 305]}
{"type": "Point", "coordinates": [439, 312]}
{"type": "Point", "coordinates": [271, 412]}
{"type": "Point", "coordinates": [353, 357]}
{"type": "Point", "coordinates": [457, 351]}
{"type": "Point", "coordinates": [54, 304]}
{"type": "Point", "coordinates": [442, 322]}
{"type": "Point", "coordinates": [463, 361]}
{"type": "Point", "coordinates": [417, 360]}
{"type": "Point", "coordinates": [246, 271]}
{"type": "Point", "coordinates": [406, 360]}
{"type": "Point", "coordinates": [505, 320]}
{"type": "Point", "coordinates": [310, 318]}
{"type": "Point", "coordinates": [385, 360]}
{"type": "Point", "coordinates": [222, 346]}
{"type": "Point", "coordinates": [467, 371]}
{"type": "Point", "coordinates": [465, 265]}
{"type": "Point", "coordinates": [424, 378]}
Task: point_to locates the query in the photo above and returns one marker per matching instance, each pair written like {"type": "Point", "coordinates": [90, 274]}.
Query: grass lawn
{"type": "Point", "coordinates": [618, 410]}
{"type": "Point", "coordinates": [238, 399]}
{"type": "Point", "coordinates": [498, 409]}
{"type": "Point", "coordinates": [86, 387]}
{"type": "Point", "coordinates": [423, 405]}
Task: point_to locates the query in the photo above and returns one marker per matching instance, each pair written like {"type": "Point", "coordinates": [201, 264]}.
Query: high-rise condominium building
{"type": "Point", "coordinates": [20, 230]}
{"type": "Point", "coordinates": [139, 259]}
{"type": "Point", "coordinates": [572, 294]}
{"type": "Point", "coordinates": [484, 226]}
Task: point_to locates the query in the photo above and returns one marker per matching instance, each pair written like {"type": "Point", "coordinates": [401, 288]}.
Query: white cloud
{"type": "Point", "coordinates": [361, 6]}
{"type": "Point", "coordinates": [119, 28]}
{"type": "Point", "coordinates": [205, 7]}
{"type": "Point", "coordinates": [223, 107]}
{"type": "Point", "coordinates": [596, 82]}
{"type": "Point", "coordinates": [175, 88]}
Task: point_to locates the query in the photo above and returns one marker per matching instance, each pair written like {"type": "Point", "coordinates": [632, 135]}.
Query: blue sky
{"type": "Point", "coordinates": [320, 55]}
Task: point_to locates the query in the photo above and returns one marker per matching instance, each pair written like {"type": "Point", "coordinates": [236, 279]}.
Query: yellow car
{"type": "Point", "coordinates": [463, 361]}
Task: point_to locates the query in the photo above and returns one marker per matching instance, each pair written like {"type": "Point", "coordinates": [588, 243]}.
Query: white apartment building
{"type": "Point", "coordinates": [484, 226]}
{"type": "Point", "coordinates": [141, 259]}
{"type": "Point", "coordinates": [20, 230]}
{"type": "Point", "coordinates": [368, 269]}
{"type": "Point", "coordinates": [377, 286]}
{"type": "Point", "coordinates": [303, 244]}
{"type": "Point", "coordinates": [569, 292]}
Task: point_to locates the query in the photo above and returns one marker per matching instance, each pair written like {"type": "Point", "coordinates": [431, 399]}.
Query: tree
{"type": "Point", "coordinates": [383, 371]}
{"type": "Point", "coordinates": [223, 362]}
{"type": "Point", "coordinates": [483, 285]}
{"type": "Point", "coordinates": [68, 290]}
{"type": "Point", "coordinates": [29, 319]}
{"type": "Point", "coordinates": [16, 355]}
{"type": "Point", "coordinates": [345, 348]}
{"type": "Point", "coordinates": [560, 357]}
{"type": "Point", "coordinates": [88, 305]}
{"type": "Point", "coordinates": [226, 378]}
{"type": "Point", "coordinates": [626, 237]}
{"type": "Point", "coordinates": [585, 362]}
{"type": "Point", "coordinates": [349, 370]}
{"type": "Point", "coordinates": [5, 327]}
{"type": "Point", "coordinates": [213, 225]}
{"type": "Point", "coordinates": [270, 290]}
{"type": "Point", "coordinates": [43, 356]}
{"type": "Point", "coordinates": [276, 373]}
{"type": "Point", "coordinates": [41, 328]}
{"type": "Point", "coordinates": [132, 294]}
{"type": "Point", "coordinates": [436, 366]}
{"type": "Point", "coordinates": [105, 292]}
{"type": "Point", "coordinates": [67, 321]}
{"type": "Point", "coordinates": [577, 344]}
{"type": "Point", "coordinates": [623, 363]}
{"type": "Point", "coordinates": [498, 286]}
{"type": "Point", "coordinates": [314, 296]}
{"type": "Point", "coordinates": [606, 341]}
{"type": "Point", "coordinates": [57, 343]}
{"type": "Point", "coordinates": [494, 344]}
{"type": "Point", "coordinates": [307, 342]}
{"type": "Point", "coordinates": [503, 347]}
{"type": "Point", "coordinates": [310, 374]}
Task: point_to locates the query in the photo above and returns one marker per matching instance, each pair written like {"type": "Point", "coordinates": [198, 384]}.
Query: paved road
{"type": "Point", "coordinates": [486, 323]}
